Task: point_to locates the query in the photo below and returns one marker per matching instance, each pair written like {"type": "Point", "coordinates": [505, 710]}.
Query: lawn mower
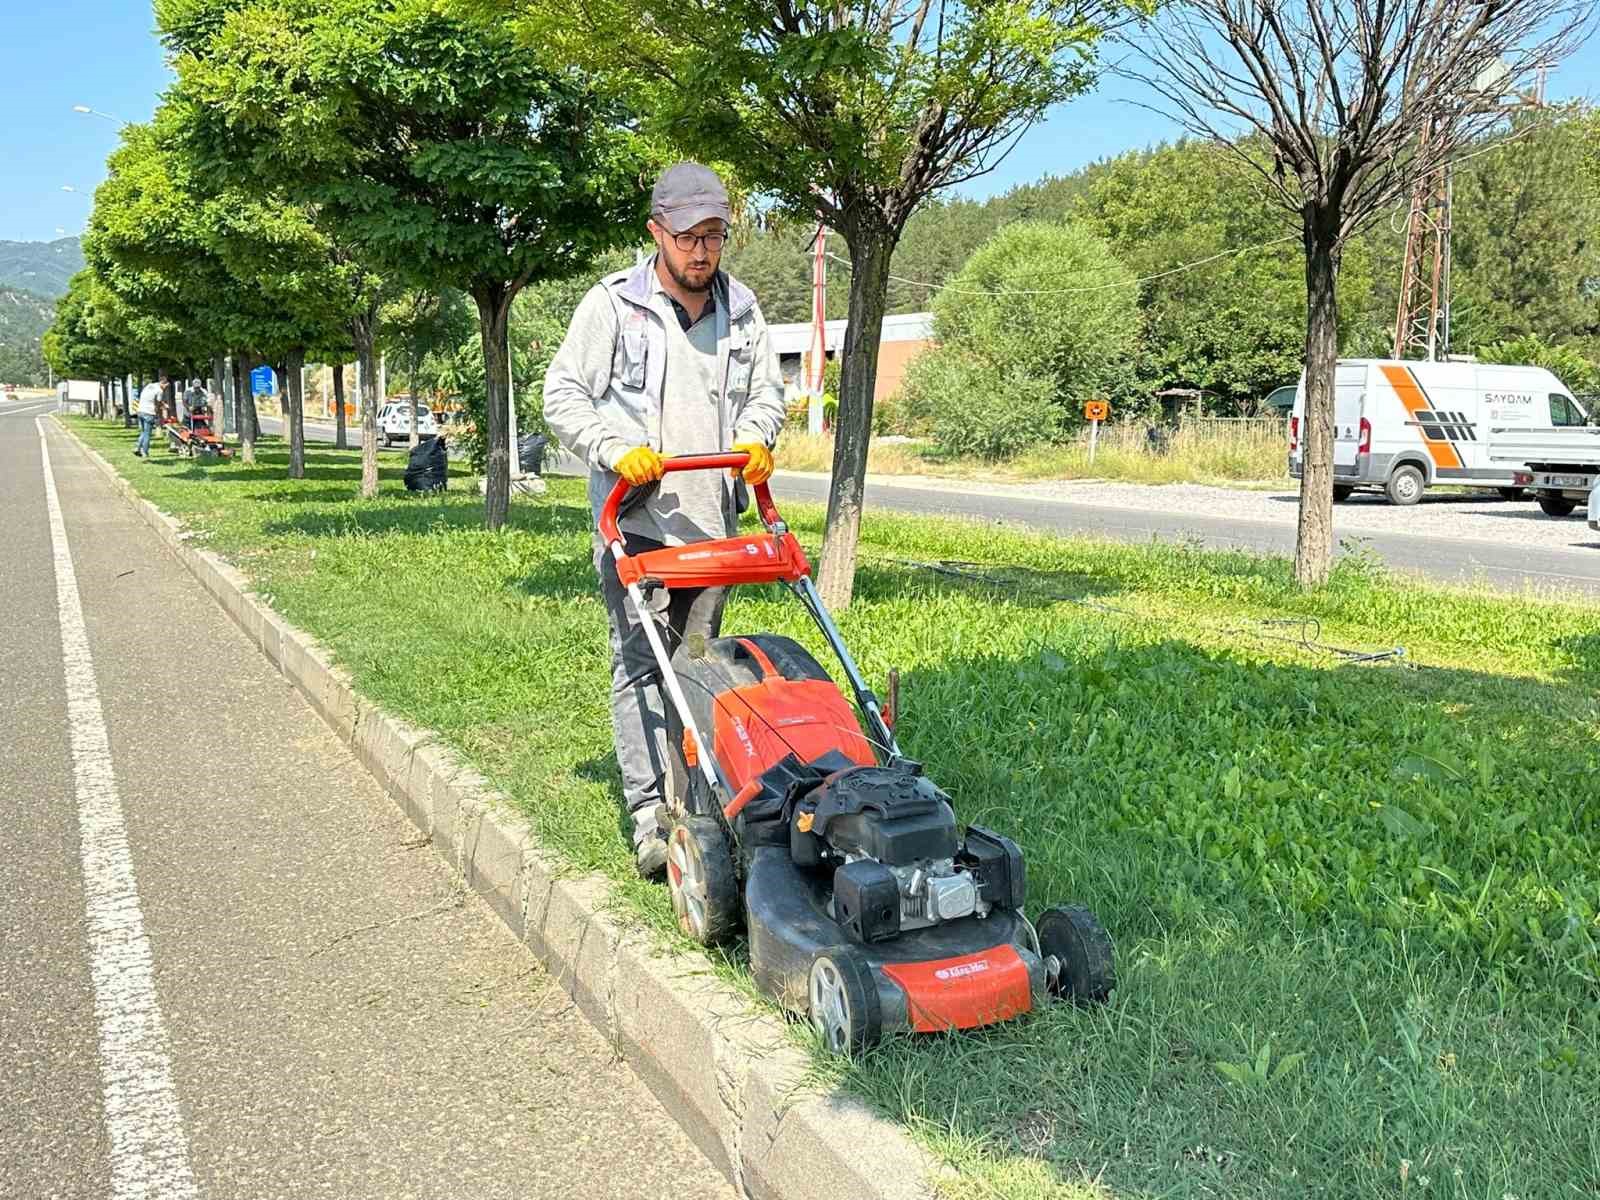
{"type": "Point", "coordinates": [193, 434]}
{"type": "Point", "coordinates": [867, 908]}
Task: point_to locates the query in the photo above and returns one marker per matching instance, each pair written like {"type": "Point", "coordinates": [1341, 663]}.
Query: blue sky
{"type": "Point", "coordinates": [102, 53]}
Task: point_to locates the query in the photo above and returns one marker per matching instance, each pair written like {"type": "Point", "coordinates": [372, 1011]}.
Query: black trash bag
{"type": "Point", "coordinates": [429, 466]}
{"type": "Point", "coordinates": [530, 453]}
{"type": "Point", "coordinates": [1158, 440]}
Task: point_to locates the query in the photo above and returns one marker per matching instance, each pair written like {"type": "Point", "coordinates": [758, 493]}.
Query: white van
{"type": "Point", "coordinates": [1403, 426]}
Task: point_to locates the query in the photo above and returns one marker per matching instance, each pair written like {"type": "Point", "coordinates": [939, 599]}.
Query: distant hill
{"type": "Point", "coordinates": [42, 268]}
{"type": "Point", "coordinates": [23, 317]}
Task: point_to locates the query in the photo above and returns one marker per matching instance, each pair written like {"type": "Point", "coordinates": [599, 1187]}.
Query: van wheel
{"type": "Point", "coordinates": [1342, 492]}
{"type": "Point", "coordinates": [1556, 506]}
{"type": "Point", "coordinates": [1405, 486]}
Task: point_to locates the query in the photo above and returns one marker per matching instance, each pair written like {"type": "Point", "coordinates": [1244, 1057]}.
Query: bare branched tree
{"type": "Point", "coordinates": [1343, 106]}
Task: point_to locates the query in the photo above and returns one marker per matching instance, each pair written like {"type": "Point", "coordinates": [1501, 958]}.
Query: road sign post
{"type": "Point", "coordinates": [1094, 412]}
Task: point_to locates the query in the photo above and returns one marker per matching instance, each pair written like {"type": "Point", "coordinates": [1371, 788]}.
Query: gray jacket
{"type": "Point", "coordinates": [602, 393]}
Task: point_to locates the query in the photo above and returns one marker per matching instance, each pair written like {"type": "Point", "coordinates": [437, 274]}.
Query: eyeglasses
{"type": "Point", "coordinates": [688, 241]}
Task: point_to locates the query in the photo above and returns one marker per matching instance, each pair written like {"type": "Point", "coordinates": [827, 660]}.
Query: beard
{"type": "Point", "coordinates": [691, 278]}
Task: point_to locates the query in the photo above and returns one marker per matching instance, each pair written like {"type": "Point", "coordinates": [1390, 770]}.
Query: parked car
{"type": "Point", "coordinates": [1594, 507]}
{"type": "Point", "coordinates": [394, 422]}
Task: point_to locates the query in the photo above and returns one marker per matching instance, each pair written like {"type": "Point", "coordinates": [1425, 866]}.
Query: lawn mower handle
{"type": "Point", "coordinates": [731, 460]}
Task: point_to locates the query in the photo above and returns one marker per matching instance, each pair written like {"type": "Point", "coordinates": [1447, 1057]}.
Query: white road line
{"type": "Point", "coordinates": [24, 410]}
{"type": "Point", "coordinates": [149, 1151]}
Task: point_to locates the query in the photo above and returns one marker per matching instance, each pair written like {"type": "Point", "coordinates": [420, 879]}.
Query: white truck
{"type": "Point", "coordinates": [1405, 426]}
{"type": "Point", "coordinates": [1561, 465]}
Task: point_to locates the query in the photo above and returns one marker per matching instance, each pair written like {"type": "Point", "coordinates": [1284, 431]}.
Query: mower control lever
{"type": "Point", "coordinates": [729, 460]}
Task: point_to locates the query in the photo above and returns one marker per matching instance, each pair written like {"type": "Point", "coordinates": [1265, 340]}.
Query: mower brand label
{"type": "Point", "coordinates": [957, 972]}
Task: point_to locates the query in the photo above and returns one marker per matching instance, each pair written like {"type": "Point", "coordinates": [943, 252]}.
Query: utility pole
{"type": "Point", "coordinates": [1422, 324]}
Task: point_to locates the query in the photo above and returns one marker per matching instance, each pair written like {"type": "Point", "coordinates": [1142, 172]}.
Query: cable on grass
{"type": "Point", "coordinates": [1308, 634]}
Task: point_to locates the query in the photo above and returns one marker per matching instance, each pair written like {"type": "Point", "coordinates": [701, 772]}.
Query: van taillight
{"type": "Point", "coordinates": [1294, 433]}
{"type": "Point", "coordinates": [1366, 437]}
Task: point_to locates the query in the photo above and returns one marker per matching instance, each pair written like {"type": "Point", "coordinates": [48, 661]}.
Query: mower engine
{"type": "Point", "coordinates": [899, 862]}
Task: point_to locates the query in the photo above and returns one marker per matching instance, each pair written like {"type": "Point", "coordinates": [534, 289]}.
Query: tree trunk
{"type": "Point", "coordinates": [869, 288]}
{"type": "Point", "coordinates": [251, 415]}
{"type": "Point", "coordinates": [362, 330]}
{"type": "Point", "coordinates": [339, 441]}
{"type": "Point", "coordinates": [218, 386]}
{"type": "Point", "coordinates": [494, 308]}
{"type": "Point", "coordinates": [412, 389]}
{"type": "Point", "coordinates": [1313, 554]}
{"type": "Point", "coordinates": [296, 415]}
{"type": "Point", "coordinates": [244, 404]}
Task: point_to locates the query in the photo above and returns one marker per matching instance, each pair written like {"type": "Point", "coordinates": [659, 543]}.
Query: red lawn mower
{"type": "Point", "coordinates": [193, 435]}
{"type": "Point", "coordinates": [867, 907]}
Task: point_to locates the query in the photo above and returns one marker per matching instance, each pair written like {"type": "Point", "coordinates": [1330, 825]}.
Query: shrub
{"type": "Point", "coordinates": [1565, 363]}
{"type": "Point", "coordinates": [968, 410]}
{"type": "Point", "coordinates": [1079, 342]}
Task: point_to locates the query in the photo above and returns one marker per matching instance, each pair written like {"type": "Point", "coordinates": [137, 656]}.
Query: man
{"type": "Point", "coordinates": [671, 357]}
{"type": "Point", "coordinates": [149, 401]}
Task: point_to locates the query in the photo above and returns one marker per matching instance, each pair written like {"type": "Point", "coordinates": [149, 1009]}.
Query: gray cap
{"type": "Point", "coordinates": [686, 194]}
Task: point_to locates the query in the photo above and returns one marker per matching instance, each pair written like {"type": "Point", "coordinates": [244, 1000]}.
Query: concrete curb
{"type": "Point", "coordinates": [724, 1071]}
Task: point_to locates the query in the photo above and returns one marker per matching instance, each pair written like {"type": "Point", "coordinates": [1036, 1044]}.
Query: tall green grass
{"type": "Point", "coordinates": [1354, 905]}
{"type": "Point", "coordinates": [1205, 452]}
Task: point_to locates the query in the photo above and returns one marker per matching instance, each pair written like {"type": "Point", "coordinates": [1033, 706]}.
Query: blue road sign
{"type": "Point", "coordinates": [261, 382]}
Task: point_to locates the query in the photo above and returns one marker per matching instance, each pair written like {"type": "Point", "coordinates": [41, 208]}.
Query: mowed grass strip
{"type": "Point", "coordinates": [1354, 905]}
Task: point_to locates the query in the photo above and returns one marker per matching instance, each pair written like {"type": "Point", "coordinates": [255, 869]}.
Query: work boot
{"type": "Point", "coordinates": [650, 841]}
{"type": "Point", "coordinates": [650, 856]}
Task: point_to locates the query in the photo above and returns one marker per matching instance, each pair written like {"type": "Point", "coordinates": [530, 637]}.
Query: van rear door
{"type": "Point", "coordinates": [1349, 395]}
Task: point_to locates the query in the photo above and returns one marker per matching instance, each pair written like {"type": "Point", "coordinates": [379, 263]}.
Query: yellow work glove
{"type": "Point", "coordinates": [640, 466]}
{"type": "Point", "coordinates": [759, 469]}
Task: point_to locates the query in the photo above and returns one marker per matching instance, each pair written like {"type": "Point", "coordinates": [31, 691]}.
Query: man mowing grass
{"type": "Point", "coordinates": [669, 358]}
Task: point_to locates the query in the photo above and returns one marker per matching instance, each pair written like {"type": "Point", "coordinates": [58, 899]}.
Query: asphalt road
{"type": "Point", "coordinates": [285, 994]}
{"type": "Point", "coordinates": [1510, 567]}
{"type": "Point", "coordinates": [1449, 560]}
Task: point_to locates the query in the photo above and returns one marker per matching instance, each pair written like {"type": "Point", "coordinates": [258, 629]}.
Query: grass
{"type": "Point", "coordinates": [1208, 454]}
{"type": "Point", "coordinates": [1354, 906]}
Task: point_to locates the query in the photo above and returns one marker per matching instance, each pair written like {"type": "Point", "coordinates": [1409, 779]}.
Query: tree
{"type": "Point", "coordinates": [1574, 369]}
{"type": "Point", "coordinates": [1049, 300]}
{"type": "Point", "coordinates": [1525, 258]}
{"type": "Point", "coordinates": [426, 139]}
{"type": "Point", "coordinates": [858, 113]}
{"type": "Point", "coordinates": [225, 266]}
{"type": "Point", "coordinates": [1352, 103]}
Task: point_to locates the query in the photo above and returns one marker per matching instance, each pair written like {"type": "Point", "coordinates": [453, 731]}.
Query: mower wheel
{"type": "Point", "coordinates": [705, 892]}
{"type": "Point", "coordinates": [1077, 940]}
{"type": "Point", "coordinates": [843, 1000]}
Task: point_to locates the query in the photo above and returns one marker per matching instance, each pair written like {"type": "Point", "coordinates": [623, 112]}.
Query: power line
{"type": "Point", "coordinates": [1099, 287]}
{"type": "Point", "coordinates": [1498, 144]}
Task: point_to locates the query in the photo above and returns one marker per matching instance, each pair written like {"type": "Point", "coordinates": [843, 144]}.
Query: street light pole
{"type": "Point", "coordinates": [95, 112]}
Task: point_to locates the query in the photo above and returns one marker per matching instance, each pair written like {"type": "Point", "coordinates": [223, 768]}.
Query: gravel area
{"type": "Point", "coordinates": [1473, 516]}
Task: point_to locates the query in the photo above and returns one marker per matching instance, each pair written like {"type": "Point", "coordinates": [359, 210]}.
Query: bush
{"type": "Point", "coordinates": [1565, 363]}
{"type": "Point", "coordinates": [1080, 342]}
{"type": "Point", "coordinates": [958, 400]}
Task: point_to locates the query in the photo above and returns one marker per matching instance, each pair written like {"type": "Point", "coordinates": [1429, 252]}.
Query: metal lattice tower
{"type": "Point", "coordinates": [1422, 325]}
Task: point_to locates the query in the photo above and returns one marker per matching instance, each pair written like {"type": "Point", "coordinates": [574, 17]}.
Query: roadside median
{"type": "Point", "coordinates": [724, 1071]}
{"type": "Point", "coordinates": [1354, 905]}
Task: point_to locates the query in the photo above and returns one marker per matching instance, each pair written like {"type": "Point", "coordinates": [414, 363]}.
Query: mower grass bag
{"type": "Point", "coordinates": [868, 907]}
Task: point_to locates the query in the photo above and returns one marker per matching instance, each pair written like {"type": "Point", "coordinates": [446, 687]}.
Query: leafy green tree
{"type": "Point", "coordinates": [426, 139]}
{"type": "Point", "coordinates": [1050, 300]}
{"type": "Point", "coordinates": [1573, 368]}
{"type": "Point", "coordinates": [1524, 222]}
{"type": "Point", "coordinates": [859, 113]}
